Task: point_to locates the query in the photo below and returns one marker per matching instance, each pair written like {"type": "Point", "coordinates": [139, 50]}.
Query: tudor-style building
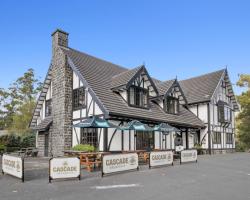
{"type": "Point", "coordinates": [78, 86]}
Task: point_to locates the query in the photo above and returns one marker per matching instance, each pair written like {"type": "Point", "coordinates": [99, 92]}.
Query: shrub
{"type": "Point", "coordinates": [84, 147]}
{"type": "Point", "coordinates": [199, 148]}
{"type": "Point", "coordinates": [12, 142]}
{"type": "Point", "coordinates": [2, 148]}
{"type": "Point", "coordinates": [239, 147]}
{"type": "Point", "coordinates": [28, 141]}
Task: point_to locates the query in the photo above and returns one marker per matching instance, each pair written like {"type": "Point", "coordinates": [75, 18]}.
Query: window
{"type": "Point", "coordinates": [138, 97]}
{"type": "Point", "coordinates": [224, 113]}
{"type": "Point", "coordinates": [229, 138]}
{"type": "Point", "coordinates": [171, 105]}
{"type": "Point", "coordinates": [217, 138]}
{"type": "Point", "coordinates": [144, 140]}
{"type": "Point", "coordinates": [89, 136]}
{"type": "Point", "coordinates": [78, 98]}
{"type": "Point", "coordinates": [48, 107]}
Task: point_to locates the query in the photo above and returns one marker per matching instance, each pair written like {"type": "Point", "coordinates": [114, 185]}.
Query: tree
{"type": "Point", "coordinates": [17, 103]}
{"type": "Point", "coordinates": [243, 119]}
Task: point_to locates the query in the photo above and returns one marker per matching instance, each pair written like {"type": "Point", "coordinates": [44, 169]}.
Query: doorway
{"type": "Point", "coordinates": [46, 145]}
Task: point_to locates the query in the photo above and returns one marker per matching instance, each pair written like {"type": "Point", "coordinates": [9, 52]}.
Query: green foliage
{"type": "Point", "coordinates": [199, 148]}
{"type": "Point", "coordinates": [2, 148]}
{"type": "Point", "coordinates": [28, 141]}
{"type": "Point", "coordinates": [84, 147]}
{"type": "Point", "coordinates": [12, 142]}
{"type": "Point", "coordinates": [243, 118]}
{"type": "Point", "coordinates": [17, 103]}
{"type": "Point", "coordinates": [240, 147]}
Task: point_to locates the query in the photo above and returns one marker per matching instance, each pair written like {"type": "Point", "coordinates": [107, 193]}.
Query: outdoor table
{"type": "Point", "coordinates": [73, 152]}
{"type": "Point", "coordinates": [142, 154]}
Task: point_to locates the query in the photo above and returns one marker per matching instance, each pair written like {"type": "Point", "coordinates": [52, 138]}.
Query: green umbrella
{"type": "Point", "coordinates": [95, 122]}
{"type": "Point", "coordinates": [165, 128]}
{"type": "Point", "coordinates": [137, 126]}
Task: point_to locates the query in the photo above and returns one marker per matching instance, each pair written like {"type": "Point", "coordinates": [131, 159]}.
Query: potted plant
{"type": "Point", "coordinates": [84, 147]}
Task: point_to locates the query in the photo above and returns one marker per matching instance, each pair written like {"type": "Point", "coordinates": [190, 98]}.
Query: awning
{"type": "Point", "coordinates": [136, 125]}
{"type": "Point", "coordinates": [44, 125]}
{"type": "Point", "coordinates": [95, 122]}
{"type": "Point", "coordinates": [165, 128]}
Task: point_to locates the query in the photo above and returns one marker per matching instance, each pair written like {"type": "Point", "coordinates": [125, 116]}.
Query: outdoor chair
{"type": "Point", "coordinates": [90, 161]}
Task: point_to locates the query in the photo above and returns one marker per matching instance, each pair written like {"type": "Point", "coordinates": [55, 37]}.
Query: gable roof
{"type": "Point", "coordinates": [124, 77]}
{"type": "Point", "coordinates": [201, 88]}
{"type": "Point", "coordinates": [99, 73]}
{"type": "Point", "coordinates": [163, 87]}
{"type": "Point", "coordinates": [41, 98]}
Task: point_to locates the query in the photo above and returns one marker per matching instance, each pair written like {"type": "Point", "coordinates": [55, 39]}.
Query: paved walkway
{"type": "Point", "coordinates": [213, 177]}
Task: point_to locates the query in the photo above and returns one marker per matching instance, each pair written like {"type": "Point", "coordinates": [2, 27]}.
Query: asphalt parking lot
{"type": "Point", "coordinates": [213, 177]}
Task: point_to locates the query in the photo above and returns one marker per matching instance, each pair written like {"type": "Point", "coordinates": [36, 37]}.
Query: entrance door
{"type": "Point", "coordinates": [46, 145]}
{"type": "Point", "coordinates": [144, 140]}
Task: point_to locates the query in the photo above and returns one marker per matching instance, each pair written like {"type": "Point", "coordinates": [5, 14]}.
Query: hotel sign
{"type": "Point", "coordinates": [159, 158]}
{"type": "Point", "coordinates": [188, 156]}
{"type": "Point", "coordinates": [119, 162]}
{"type": "Point", "coordinates": [13, 165]}
{"type": "Point", "coordinates": [63, 167]}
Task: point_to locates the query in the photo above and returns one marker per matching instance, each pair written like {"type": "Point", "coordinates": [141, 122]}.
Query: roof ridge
{"type": "Point", "coordinates": [222, 70]}
{"type": "Point", "coordinates": [166, 81]}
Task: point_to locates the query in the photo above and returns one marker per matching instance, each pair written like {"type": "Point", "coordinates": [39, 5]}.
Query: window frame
{"type": "Point", "coordinates": [229, 140]}
{"type": "Point", "coordinates": [76, 101]}
{"type": "Point", "coordinates": [165, 105]}
{"type": "Point", "coordinates": [93, 134]}
{"type": "Point", "coordinates": [135, 96]}
{"type": "Point", "coordinates": [47, 114]}
{"type": "Point", "coordinates": [215, 137]}
{"type": "Point", "coordinates": [226, 110]}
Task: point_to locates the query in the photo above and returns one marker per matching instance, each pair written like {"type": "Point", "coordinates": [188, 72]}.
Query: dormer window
{"type": "Point", "coordinates": [138, 97]}
{"type": "Point", "coordinates": [171, 105]}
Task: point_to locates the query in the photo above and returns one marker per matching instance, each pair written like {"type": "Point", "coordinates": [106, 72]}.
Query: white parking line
{"type": "Point", "coordinates": [115, 186]}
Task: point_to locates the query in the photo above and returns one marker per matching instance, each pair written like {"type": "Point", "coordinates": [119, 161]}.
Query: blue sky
{"type": "Point", "coordinates": [173, 38]}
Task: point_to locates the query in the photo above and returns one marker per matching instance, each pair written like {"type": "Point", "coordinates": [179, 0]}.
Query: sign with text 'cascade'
{"type": "Point", "coordinates": [119, 162]}
{"type": "Point", "coordinates": [63, 167]}
{"type": "Point", "coordinates": [189, 155]}
{"type": "Point", "coordinates": [13, 165]}
{"type": "Point", "coordinates": [159, 158]}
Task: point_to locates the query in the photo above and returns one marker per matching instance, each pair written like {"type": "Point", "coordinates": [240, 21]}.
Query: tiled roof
{"type": "Point", "coordinates": [99, 73]}
{"type": "Point", "coordinates": [201, 88]}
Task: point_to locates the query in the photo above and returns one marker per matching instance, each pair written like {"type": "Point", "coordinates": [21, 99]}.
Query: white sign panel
{"type": "Point", "coordinates": [12, 165]}
{"type": "Point", "coordinates": [64, 167]}
{"type": "Point", "coordinates": [179, 148]}
{"type": "Point", "coordinates": [161, 158]}
{"type": "Point", "coordinates": [189, 155]}
{"type": "Point", "coordinates": [119, 162]}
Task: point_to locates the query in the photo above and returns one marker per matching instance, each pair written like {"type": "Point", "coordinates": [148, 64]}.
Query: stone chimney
{"type": "Point", "coordinates": [59, 38]}
{"type": "Point", "coordinates": [62, 84]}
